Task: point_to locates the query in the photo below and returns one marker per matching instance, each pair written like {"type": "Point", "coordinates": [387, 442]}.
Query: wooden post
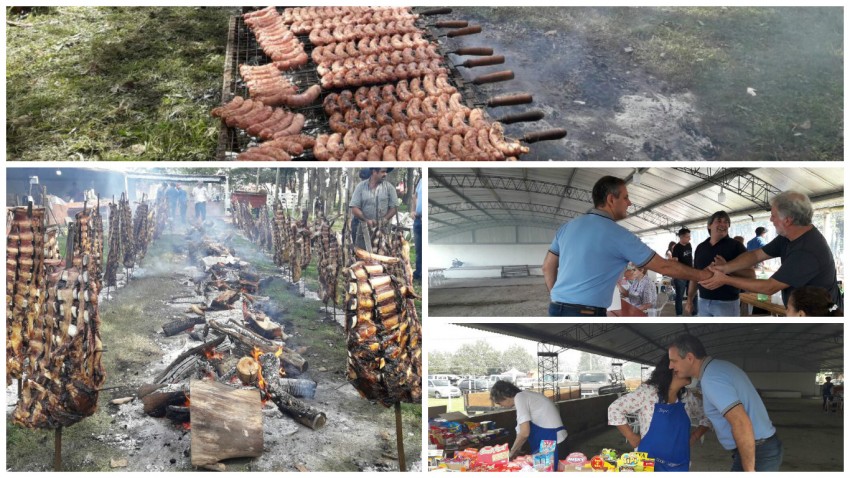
{"type": "Point", "coordinates": [57, 449]}
{"type": "Point", "coordinates": [399, 438]}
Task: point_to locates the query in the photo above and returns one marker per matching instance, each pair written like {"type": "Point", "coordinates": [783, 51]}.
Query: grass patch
{"type": "Point", "coordinates": [114, 83]}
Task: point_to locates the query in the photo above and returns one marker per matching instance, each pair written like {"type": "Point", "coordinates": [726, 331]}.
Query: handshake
{"type": "Point", "coordinates": [719, 270]}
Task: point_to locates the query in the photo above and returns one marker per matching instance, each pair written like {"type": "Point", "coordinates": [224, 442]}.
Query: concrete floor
{"type": "Point", "coordinates": [511, 297]}
{"type": "Point", "coordinates": [812, 439]}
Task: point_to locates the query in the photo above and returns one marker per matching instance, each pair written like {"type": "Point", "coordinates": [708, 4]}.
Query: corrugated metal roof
{"type": "Point", "coordinates": [794, 347]}
{"type": "Point", "coordinates": [464, 199]}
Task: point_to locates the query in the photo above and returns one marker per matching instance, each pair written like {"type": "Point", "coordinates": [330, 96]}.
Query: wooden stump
{"type": "Point", "coordinates": [226, 423]}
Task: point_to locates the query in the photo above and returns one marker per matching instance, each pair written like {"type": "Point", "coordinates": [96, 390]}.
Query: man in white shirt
{"type": "Point", "coordinates": [199, 195]}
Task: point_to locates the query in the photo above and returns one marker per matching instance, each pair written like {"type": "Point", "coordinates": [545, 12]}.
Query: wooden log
{"type": "Point", "coordinates": [156, 403]}
{"type": "Point", "coordinates": [264, 326]}
{"type": "Point", "coordinates": [209, 346]}
{"type": "Point", "coordinates": [177, 413]}
{"type": "Point", "coordinates": [286, 403]}
{"type": "Point", "coordinates": [247, 370]}
{"type": "Point", "coordinates": [226, 423]}
{"type": "Point", "coordinates": [224, 300]}
{"type": "Point", "coordinates": [251, 339]}
{"type": "Point", "coordinates": [182, 325]}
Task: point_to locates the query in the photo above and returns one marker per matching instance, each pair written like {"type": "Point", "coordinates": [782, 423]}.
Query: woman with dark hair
{"type": "Point", "coordinates": [664, 408]}
{"type": "Point", "coordinates": [669, 254]}
{"type": "Point", "coordinates": [811, 301]}
{"type": "Point", "coordinates": [537, 418]}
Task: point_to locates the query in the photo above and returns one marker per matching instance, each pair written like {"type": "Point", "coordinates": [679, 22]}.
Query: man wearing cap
{"type": "Point", "coordinates": [199, 195]}
{"type": "Point", "coordinates": [682, 252]}
{"type": "Point", "coordinates": [732, 404]}
{"type": "Point", "coordinates": [718, 248]}
{"type": "Point", "coordinates": [805, 254]}
{"type": "Point", "coordinates": [589, 254]}
{"type": "Point", "coordinates": [373, 201]}
{"type": "Point", "coordinates": [759, 241]}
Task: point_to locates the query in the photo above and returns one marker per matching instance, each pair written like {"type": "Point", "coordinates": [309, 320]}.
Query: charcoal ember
{"type": "Point", "coordinates": [383, 335]}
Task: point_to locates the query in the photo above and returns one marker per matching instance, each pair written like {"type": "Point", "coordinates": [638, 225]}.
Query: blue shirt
{"type": "Point", "coordinates": [756, 243]}
{"type": "Point", "coordinates": [725, 386]}
{"type": "Point", "coordinates": [419, 199]}
{"type": "Point", "coordinates": [593, 251]}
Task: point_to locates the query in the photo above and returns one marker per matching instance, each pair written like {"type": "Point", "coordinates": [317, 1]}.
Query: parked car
{"type": "Point", "coordinates": [600, 383]}
{"type": "Point", "coordinates": [525, 383]}
{"type": "Point", "coordinates": [442, 389]}
{"type": "Point", "coordinates": [453, 379]}
{"type": "Point", "coordinates": [473, 385]}
{"type": "Point", "coordinates": [564, 380]}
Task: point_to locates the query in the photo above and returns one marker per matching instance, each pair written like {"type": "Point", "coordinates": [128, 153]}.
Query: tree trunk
{"type": "Point", "coordinates": [408, 189]}
{"type": "Point", "coordinates": [300, 185]}
{"type": "Point", "coordinates": [226, 423]}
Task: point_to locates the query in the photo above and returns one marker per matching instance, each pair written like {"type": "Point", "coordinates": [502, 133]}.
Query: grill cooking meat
{"type": "Point", "coordinates": [360, 16]}
{"type": "Point", "coordinates": [111, 273]}
{"type": "Point", "coordinates": [64, 348]}
{"type": "Point", "coordinates": [128, 242]}
{"type": "Point", "coordinates": [276, 39]}
{"type": "Point", "coordinates": [255, 117]}
{"type": "Point", "coordinates": [343, 33]}
{"type": "Point", "coordinates": [383, 333]}
{"type": "Point", "coordinates": [367, 46]}
{"type": "Point", "coordinates": [25, 287]}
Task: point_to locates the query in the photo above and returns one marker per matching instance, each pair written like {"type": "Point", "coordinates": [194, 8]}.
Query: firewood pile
{"type": "Point", "coordinates": [63, 372]}
{"type": "Point", "coordinates": [383, 332]}
{"type": "Point", "coordinates": [241, 349]}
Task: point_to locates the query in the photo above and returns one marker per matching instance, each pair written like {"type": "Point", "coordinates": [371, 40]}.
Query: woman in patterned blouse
{"type": "Point", "coordinates": [665, 410]}
{"type": "Point", "coordinates": [642, 293]}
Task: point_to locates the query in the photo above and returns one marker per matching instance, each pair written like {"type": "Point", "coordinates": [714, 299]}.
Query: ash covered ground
{"type": "Point", "coordinates": [359, 435]}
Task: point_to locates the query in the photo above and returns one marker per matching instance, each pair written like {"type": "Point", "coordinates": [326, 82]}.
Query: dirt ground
{"type": "Point", "coordinates": [137, 351]}
{"type": "Point", "coordinates": [669, 84]}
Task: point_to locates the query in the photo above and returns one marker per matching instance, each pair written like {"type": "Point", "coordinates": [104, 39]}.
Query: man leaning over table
{"type": "Point", "coordinates": [805, 254]}
{"type": "Point", "coordinates": [589, 254]}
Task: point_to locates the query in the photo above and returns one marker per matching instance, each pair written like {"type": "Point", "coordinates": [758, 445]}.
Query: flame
{"type": "Point", "coordinates": [187, 402]}
{"type": "Point", "coordinates": [211, 354]}
{"type": "Point", "coordinates": [186, 425]}
{"type": "Point", "coordinates": [279, 351]}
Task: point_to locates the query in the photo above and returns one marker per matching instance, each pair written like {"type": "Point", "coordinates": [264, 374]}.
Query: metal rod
{"type": "Point", "coordinates": [57, 449]}
{"type": "Point", "coordinates": [399, 438]}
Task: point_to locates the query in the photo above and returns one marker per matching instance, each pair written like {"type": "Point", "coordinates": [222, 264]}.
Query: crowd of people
{"type": "Point", "coordinates": [589, 254]}
{"type": "Point", "coordinates": [177, 200]}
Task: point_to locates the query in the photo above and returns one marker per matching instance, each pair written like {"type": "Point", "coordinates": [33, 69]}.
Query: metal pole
{"type": "Point", "coordinates": [399, 438]}
{"type": "Point", "coordinates": [57, 449]}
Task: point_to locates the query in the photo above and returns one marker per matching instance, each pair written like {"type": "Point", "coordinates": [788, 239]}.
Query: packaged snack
{"type": "Point", "coordinates": [544, 459]}
{"type": "Point", "coordinates": [491, 455]}
{"type": "Point", "coordinates": [574, 462]}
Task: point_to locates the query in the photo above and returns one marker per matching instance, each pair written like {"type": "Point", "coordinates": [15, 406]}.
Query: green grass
{"type": "Point", "coordinates": [114, 83]}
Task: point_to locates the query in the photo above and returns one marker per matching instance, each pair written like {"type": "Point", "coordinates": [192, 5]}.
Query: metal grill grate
{"type": "Point", "coordinates": [244, 49]}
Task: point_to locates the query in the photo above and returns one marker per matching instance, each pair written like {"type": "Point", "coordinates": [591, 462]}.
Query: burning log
{"type": "Point", "coordinates": [177, 413]}
{"type": "Point", "coordinates": [262, 324]}
{"type": "Point", "coordinates": [226, 423]}
{"type": "Point", "coordinates": [224, 300]}
{"type": "Point", "coordinates": [247, 369]}
{"type": "Point", "coordinates": [183, 325]}
{"type": "Point", "coordinates": [187, 361]}
{"type": "Point", "coordinates": [251, 339]}
{"type": "Point", "coordinates": [286, 403]}
{"type": "Point", "coordinates": [156, 404]}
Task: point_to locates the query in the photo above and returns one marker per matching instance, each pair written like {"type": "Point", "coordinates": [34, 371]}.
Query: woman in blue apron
{"type": "Point", "coordinates": [537, 418]}
{"type": "Point", "coordinates": [663, 408]}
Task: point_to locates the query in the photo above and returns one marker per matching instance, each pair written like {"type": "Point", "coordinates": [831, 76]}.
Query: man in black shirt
{"type": "Point", "coordinates": [806, 257]}
{"type": "Point", "coordinates": [682, 253]}
{"type": "Point", "coordinates": [718, 248]}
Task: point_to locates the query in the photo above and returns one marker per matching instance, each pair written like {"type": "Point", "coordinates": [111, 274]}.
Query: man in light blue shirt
{"type": "Point", "coordinates": [417, 230]}
{"type": "Point", "coordinates": [590, 253]}
{"type": "Point", "coordinates": [759, 241]}
{"type": "Point", "coordinates": [732, 404]}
